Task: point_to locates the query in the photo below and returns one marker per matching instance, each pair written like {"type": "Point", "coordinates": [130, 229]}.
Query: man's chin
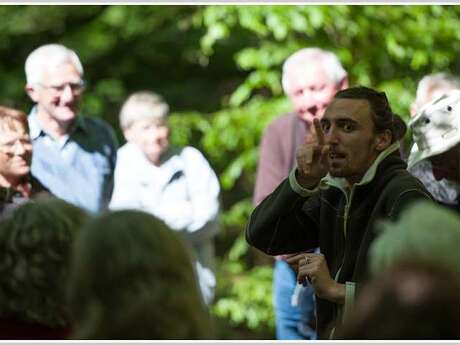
{"type": "Point", "coordinates": [65, 115]}
{"type": "Point", "coordinates": [306, 117]}
{"type": "Point", "coordinates": [337, 172]}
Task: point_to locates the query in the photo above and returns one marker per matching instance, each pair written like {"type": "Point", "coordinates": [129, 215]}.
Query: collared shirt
{"type": "Point", "coordinates": [79, 166]}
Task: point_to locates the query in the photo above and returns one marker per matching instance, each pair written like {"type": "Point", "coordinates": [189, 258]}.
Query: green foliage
{"type": "Point", "coordinates": [245, 294]}
{"type": "Point", "coordinates": [389, 48]}
{"type": "Point", "coordinates": [230, 139]}
{"type": "Point", "coordinates": [230, 136]}
{"type": "Point", "coordinates": [422, 39]}
{"type": "Point", "coordinates": [219, 68]}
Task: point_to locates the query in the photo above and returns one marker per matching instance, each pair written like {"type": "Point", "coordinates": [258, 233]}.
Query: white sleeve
{"type": "Point", "coordinates": [196, 212]}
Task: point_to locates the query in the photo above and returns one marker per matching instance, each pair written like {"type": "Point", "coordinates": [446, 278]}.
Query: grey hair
{"type": "Point", "coordinates": [308, 56]}
{"type": "Point", "coordinates": [142, 105]}
{"type": "Point", "coordinates": [435, 81]}
{"type": "Point", "coordinates": [46, 56]}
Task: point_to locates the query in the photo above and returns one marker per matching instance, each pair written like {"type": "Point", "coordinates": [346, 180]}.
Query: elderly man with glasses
{"type": "Point", "coordinates": [74, 156]}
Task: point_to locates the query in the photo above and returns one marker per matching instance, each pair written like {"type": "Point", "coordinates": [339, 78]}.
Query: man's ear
{"type": "Point", "coordinates": [32, 92]}
{"type": "Point", "coordinates": [383, 140]}
{"type": "Point", "coordinates": [343, 84]}
{"type": "Point", "coordinates": [128, 133]}
{"type": "Point", "coordinates": [413, 109]}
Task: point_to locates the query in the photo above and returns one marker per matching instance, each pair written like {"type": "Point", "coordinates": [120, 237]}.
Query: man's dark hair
{"type": "Point", "coordinates": [382, 115]}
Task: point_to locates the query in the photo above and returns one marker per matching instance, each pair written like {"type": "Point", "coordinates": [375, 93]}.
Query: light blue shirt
{"type": "Point", "coordinates": [79, 167]}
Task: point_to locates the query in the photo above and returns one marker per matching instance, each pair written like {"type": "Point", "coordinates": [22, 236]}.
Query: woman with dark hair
{"type": "Point", "coordinates": [35, 243]}
{"type": "Point", "coordinates": [132, 278]}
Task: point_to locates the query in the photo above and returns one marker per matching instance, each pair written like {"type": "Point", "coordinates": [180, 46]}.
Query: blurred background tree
{"type": "Point", "coordinates": [218, 66]}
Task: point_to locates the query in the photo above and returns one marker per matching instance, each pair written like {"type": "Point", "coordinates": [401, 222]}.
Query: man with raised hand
{"type": "Point", "coordinates": [349, 176]}
{"type": "Point", "coordinates": [310, 79]}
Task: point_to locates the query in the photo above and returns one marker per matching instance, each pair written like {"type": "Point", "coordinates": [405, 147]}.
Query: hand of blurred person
{"type": "Point", "coordinates": [313, 268]}
{"type": "Point", "coordinates": [312, 158]}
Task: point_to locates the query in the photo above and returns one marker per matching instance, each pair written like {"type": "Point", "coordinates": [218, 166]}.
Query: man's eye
{"type": "Point", "coordinates": [325, 126]}
{"type": "Point", "coordinates": [57, 87]}
{"type": "Point", "coordinates": [319, 88]}
{"type": "Point", "coordinates": [348, 127]}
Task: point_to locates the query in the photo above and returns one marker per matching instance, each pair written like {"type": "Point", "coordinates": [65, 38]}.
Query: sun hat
{"type": "Point", "coordinates": [436, 128]}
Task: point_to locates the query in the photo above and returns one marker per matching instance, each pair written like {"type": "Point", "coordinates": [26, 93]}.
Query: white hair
{"type": "Point", "coordinates": [316, 56]}
{"type": "Point", "coordinates": [431, 83]}
{"type": "Point", "coordinates": [46, 56]}
{"type": "Point", "coordinates": [142, 105]}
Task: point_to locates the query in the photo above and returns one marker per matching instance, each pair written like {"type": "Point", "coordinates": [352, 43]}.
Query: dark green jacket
{"type": "Point", "coordinates": [338, 219]}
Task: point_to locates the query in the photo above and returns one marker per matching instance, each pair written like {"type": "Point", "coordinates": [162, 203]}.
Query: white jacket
{"type": "Point", "coordinates": [183, 192]}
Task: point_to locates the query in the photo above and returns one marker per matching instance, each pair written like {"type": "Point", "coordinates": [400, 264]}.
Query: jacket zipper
{"type": "Point", "coordinates": [345, 221]}
{"type": "Point", "coordinates": [348, 199]}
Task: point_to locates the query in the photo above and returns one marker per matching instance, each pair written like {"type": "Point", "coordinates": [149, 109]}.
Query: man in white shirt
{"type": "Point", "coordinates": [177, 185]}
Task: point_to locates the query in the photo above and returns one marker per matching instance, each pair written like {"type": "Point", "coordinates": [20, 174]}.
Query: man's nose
{"type": "Point", "coordinates": [320, 99]}
{"type": "Point", "coordinates": [67, 94]}
{"type": "Point", "coordinates": [331, 136]}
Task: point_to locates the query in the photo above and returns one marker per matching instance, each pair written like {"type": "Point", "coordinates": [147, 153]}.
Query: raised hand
{"type": "Point", "coordinates": [312, 157]}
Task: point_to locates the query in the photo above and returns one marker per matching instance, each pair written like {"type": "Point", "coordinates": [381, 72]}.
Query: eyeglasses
{"type": "Point", "coordinates": [76, 88]}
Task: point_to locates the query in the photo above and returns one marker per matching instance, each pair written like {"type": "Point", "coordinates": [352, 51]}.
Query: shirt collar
{"type": "Point", "coordinates": [36, 130]}
{"type": "Point", "coordinates": [342, 183]}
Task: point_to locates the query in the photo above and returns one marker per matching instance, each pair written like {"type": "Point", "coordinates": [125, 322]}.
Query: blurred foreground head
{"type": "Point", "coordinates": [411, 300]}
{"type": "Point", "coordinates": [132, 278]}
{"type": "Point", "coordinates": [35, 242]}
{"type": "Point", "coordinates": [425, 232]}
{"type": "Point", "coordinates": [415, 265]}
